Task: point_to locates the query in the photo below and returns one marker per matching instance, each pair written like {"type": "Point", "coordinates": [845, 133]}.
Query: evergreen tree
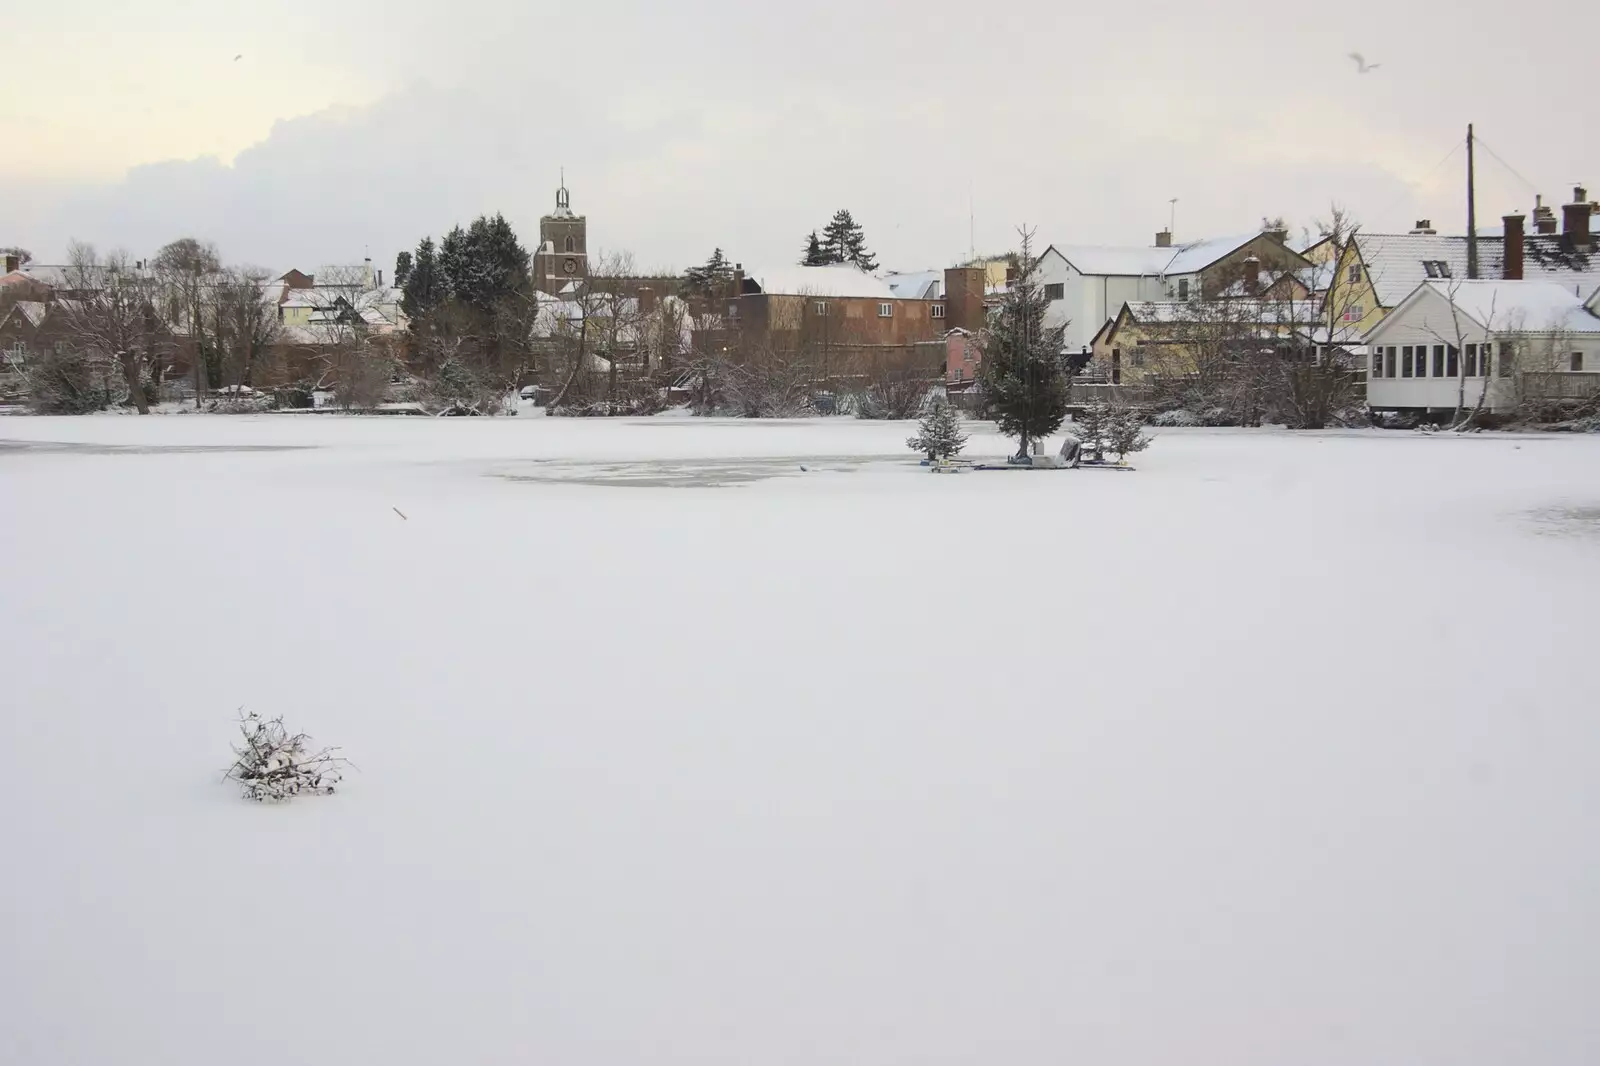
{"type": "Point", "coordinates": [1024, 379]}
{"type": "Point", "coordinates": [939, 433]}
{"type": "Point", "coordinates": [1092, 426]}
{"type": "Point", "coordinates": [844, 242]}
{"type": "Point", "coordinates": [402, 269]}
{"type": "Point", "coordinates": [814, 255]}
{"type": "Point", "coordinates": [710, 279]}
{"type": "Point", "coordinates": [424, 287]}
{"type": "Point", "coordinates": [1127, 433]}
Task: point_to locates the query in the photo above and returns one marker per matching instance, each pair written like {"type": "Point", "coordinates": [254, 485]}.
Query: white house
{"type": "Point", "coordinates": [1528, 339]}
{"type": "Point", "coordinates": [1087, 284]}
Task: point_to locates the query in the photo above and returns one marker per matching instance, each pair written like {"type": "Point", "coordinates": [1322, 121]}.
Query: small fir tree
{"type": "Point", "coordinates": [1092, 426]}
{"type": "Point", "coordinates": [424, 288]}
{"type": "Point", "coordinates": [1126, 435]}
{"type": "Point", "coordinates": [939, 433]}
{"type": "Point", "coordinates": [1024, 379]}
{"type": "Point", "coordinates": [814, 255]}
{"type": "Point", "coordinates": [402, 269]}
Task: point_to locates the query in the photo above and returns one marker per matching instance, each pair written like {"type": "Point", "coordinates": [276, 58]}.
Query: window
{"type": "Point", "coordinates": [1353, 313]}
{"type": "Point", "coordinates": [1472, 360]}
{"type": "Point", "coordinates": [1355, 275]}
{"type": "Point", "coordinates": [1577, 362]}
{"type": "Point", "coordinates": [1438, 360]}
{"type": "Point", "coordinates": [1388, 361]}
{"type": "Point", "coordinates": [1506, 361]}
{"type": "Point", "coordinates": [960, 372]}
{"type": "Point", "coordinates": [822, 307]}
{"type": "Point", "coordinates": [1138, 356]}
{"type": "Point", "coordinates": [1453, 363]}
{"type": "Point", "coordinates": [966, 353]}
{"type": "Point", "coordinates": [571, 245]}
{"type": "Point", "coordinates": [1116, 366]}
{"type": "Point", "coordinates": [1183, 288]}
{"type": "Point", "coordinates": [1405, 361]}
{"type": "Point", "coordinates": [1436, 268]}
{"type": "Point", "coordinates": [936, 311]}
{"type": "Point", "coordinates": [733, 310]}
{"type": "Point", "coordinates": [1483, 360]}
{"type": "Point", "coordinates": [1377, 362]}
{"type": "Point", "coordinates": [1058, 291]}
{"type": "Point", "coordinates": [886, 310]}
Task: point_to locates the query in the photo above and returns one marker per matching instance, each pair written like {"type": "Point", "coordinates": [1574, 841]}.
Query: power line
{"type": "Point", "coordinates": [1511, 169]}
{"type": "Point", "coordinates": [1458, 146]}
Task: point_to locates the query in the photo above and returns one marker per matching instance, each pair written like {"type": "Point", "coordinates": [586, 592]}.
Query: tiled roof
{"type": "Point", "coordinates": [1398, 262]}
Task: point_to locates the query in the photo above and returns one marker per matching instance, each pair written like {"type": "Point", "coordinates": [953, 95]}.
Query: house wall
{"type": "Point", "coordinates": [962, 356]}
{"type": "Point", "coordinates": [1088, 301]}
{"type": "Point", "coordinates": [1349, 296]}
{"type": "Point", "coordinates": [793, 321]}
{"type": "Point", "coordinates": [1428, 323]}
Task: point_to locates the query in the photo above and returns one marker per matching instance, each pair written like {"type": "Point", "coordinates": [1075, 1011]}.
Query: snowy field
{"type": "Point", "coordinates": [1283, 749]}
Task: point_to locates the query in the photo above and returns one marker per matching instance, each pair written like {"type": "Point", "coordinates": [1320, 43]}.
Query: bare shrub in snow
{"type": "Point", "coordinates": [274, 764]}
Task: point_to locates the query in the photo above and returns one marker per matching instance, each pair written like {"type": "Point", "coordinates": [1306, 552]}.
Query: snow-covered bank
{"type": "Point", "coordinates": [1279, 750]}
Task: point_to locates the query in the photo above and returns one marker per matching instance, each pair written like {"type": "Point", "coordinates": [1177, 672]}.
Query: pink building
{"type": "Point", "coordinates": [961, 358]}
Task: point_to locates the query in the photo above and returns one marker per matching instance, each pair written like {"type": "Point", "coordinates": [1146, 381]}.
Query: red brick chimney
{"type": "Point", "coordinates": [1544, 219]}
{"type": "Point", "coordinates": [1164, 238]}
{"type": "Point", "coordinates": [1575, 219]}
{"type": "Point", "coordinates": [647, 299]}
{"type": "Point", "coordinates": [13, 262]}
{"type": "Point", "coordinates": [1513, 248]}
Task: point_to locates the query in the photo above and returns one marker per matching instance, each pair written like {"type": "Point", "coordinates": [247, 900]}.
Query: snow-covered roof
{"type": "Point", "coordinates": [32, 310]}
{"type": "Point", "coordinates": [1151, 261]}
{"type": "Point", "coordinates": [1519, 306]}
{"type": "Point", "coordinates": [917, 285]}
{"type": "Point", "coordinates": [1398, 262]}
{"type": "Point", "coordinates": [840, 281]}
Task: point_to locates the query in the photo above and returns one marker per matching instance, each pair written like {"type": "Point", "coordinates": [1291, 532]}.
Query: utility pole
{"type": "Point", "coordinates": [1472, 212]}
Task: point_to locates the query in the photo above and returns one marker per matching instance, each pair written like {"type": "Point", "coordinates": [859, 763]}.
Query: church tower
{"type": "Point", "coordinates": [563, 246]}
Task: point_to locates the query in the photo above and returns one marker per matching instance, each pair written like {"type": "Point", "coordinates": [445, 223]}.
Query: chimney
{"type": "Point", "coordinates": [738, 280]}
{"type": "Point", "coordinates": [13, 262]}
{"type": "Point", "coordinates": [1279, 235]}
{"type": "Point", "coordinates": [1164, 238]}
{"type": "Point", "coordinates": [1252, 274]}
{"type": "Point", "coordinates": [1512, 260]}
{"type": "Point", "coordinates": [1424, 228]}
{"type": "Point", "coordinates": [380, 279]}
{"type": "Point", "coordinates": [647, 299]}
{"type": "Point", "coordinates": [1544, 219]}
{"type": "Point", "coordinates": [1575, 219]}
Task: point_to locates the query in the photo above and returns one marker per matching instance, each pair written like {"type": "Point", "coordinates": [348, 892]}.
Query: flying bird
{"type": "Point", "coordinates": [1362, 66]}
{"type": "Point", "coordinates": [238, 57]}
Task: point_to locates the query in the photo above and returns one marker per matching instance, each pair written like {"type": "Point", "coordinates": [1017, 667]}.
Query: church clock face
{"type": "Point", "coordinates": [570, 266]}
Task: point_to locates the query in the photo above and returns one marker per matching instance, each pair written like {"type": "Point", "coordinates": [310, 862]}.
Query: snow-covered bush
{"type": "Point", "coordinates": [1180, 417]}
{"type": "Point", "coordinates": [274, 764]}
{"type": "Point", "coordinates": [939, 433]}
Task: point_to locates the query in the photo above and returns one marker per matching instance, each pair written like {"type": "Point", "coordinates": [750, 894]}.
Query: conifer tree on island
{"type": "Point", "coordinates": [710, 279]}
{"type": "Point", "coordinates": [1023, 375]}
{"type": "Point", "coordinates": [814, 255]}
{"type": "Point", "coordinates": [844, 242]}
{"type": "Point", "coordinates": [939, 433]}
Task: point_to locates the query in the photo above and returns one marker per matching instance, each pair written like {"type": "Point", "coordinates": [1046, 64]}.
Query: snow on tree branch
{"type": "Point", "coordinates": [273, 764]}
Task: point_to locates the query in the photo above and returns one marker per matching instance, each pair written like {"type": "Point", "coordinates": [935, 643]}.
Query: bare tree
{"type": "Point", "coordinates": [110, 318]}
{"type": "Point", "coordinates": [595, 331]}
{"type": "Point", "coordinates": [246, 325]}
{"type": "Point", "coordinates": [185, 269]}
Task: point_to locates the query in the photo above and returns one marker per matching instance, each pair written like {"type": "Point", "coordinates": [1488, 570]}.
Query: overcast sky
{"type": "Point", "coordinates": [356, 128]}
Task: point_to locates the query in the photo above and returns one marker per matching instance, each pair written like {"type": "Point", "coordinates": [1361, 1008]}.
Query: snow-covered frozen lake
{"type": "Point", "coordinates": [1282, 749]}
